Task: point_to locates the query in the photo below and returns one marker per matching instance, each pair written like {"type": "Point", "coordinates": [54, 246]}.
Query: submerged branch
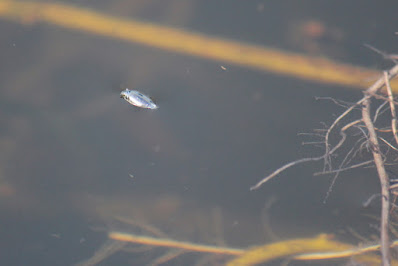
{"type": "Point", "coordinates": [384, 182]}
{"type": "Point", "coordinates": [372, 143]}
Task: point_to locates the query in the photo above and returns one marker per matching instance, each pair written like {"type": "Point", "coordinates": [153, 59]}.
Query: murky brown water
{"type": "Point", "coordinates": [78, 161]}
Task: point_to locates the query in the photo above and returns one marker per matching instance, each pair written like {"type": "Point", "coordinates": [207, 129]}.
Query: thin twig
{"type": "Point", "coordinates": [344, 169]}
{"type": "Point", "coordinates": [388, 144]}
{"type": "Point", "coordinates": [311, 142]}
{"type": "Point", "coordinates": [347, 159]}
{"type": "Point", "coordinates": [336, 121]}
{"type": "Point", "coordinates": [325, 156]}
{"type": "Point", "coordinates": [366, 203]}
{"type": "Point", "coordinates": [283, 168]}
{"type": "Point", "coordinates": [378, 112]}
{"type": "Point", "coordinates": [392, 107]}
{"type": "Point", "coordinates": [381, 97]}
{"type": "Point", "coordinates": [310, 134]}
{"type": "Point", "coordinates": [335, 101]}
{"type": "Point", "coordinates": [384, 54]}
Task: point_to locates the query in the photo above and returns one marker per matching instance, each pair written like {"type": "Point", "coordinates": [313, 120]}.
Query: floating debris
{"type": "Point", "coordinates": [138, 99]}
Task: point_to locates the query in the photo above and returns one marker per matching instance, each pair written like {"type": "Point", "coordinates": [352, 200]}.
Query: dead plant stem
{"type": "Point", "coordinates": [392, 107]}
{"type": "Point", "coordinates": [383, 176]}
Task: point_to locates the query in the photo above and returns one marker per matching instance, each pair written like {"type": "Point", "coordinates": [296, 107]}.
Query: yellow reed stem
{"type": "Point", "coordinates": [162, 242]}
{"type": "Point", "coordinates": [342, 254]}
{"type": "Point", "coordinates": [272, 251]}
{"type": "Point", "coordinates": [177, 40]}
{"type": "Point", "coordinates": [324, 244]}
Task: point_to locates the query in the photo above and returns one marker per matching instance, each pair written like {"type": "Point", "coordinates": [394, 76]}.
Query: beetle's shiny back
{"type": "Point", "coordinates": [138, 99]}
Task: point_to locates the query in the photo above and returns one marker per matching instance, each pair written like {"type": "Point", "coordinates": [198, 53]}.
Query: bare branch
{"type": "Point", "coordinates": [383, 176]}
{"type": "Point", "coordinates": [371, 144]}
{"type": "Point", "coordinates": [372, 90]}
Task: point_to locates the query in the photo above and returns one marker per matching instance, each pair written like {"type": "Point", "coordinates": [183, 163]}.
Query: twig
{"type": "Point", "coordinates": [383, 176]}
{"type": "Point", "coordinates": [323, 157]}
{"type": "Point", "coordinates": [344, 169]}
{"type": "Point", "coordinates": [371, 91]}
{"type": "Point", "coordinates": [372, 144]}
{"type": "Point", "coordinates": [311, 142]}
{"type": "Point", "coordinates": [381, 97]}
{"type": "Point", "coordinates": [347, 159]}
{"type": "Point", "coordinates": [384, 54]}
{"type": "Point", "coordinates": [283, 168]}
{"type": "Point", "coordinates": [366, 203]}
{"type": "Point", "coordinates": [388, 144]}
{"type": "Point", "coordinates": [338, 119]}
{"type": "Point", "coordinates": [379, 112]}
{"type": "Point", "coordinates": [335, 101]}
{"type": "Point", "coordinates": [392, 107]}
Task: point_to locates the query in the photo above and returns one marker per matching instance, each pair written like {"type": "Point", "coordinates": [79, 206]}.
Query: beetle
{"type": "Point", "coordinates": [138, 99]}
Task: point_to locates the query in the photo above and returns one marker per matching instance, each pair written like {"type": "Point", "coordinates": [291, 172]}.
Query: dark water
{"type": "Point", "coordinates": [69, 144]}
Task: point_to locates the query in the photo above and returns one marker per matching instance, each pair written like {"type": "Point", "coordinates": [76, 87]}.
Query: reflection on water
{"type": "Point", "coordinates": [163, 217]}
{"type": "Point", "coordinates": [166, 229]}
{"type": "Point", "coordinates": [106, 250]}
